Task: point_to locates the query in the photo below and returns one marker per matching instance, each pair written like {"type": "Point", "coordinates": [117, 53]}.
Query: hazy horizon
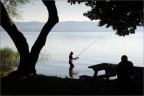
{"type": "Point", "coordinates": [65, 26]}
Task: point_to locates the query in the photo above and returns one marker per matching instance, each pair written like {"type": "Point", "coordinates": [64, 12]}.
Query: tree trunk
{"type": "Point", "coordinates": [18, 39]}
{"type": "Point", "coordinates": [29, 59]}
{"type": "Point", "coordinates": [41, 40]}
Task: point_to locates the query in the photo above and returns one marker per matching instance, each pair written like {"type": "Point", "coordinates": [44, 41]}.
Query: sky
{"type": "Point", "coordinates": [67, 12]}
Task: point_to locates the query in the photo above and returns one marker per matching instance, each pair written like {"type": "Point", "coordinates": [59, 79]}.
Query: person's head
{"type": "Point", "coordinates": [71, 53]}
{"type": "Point", "coordinates": [124, 58]}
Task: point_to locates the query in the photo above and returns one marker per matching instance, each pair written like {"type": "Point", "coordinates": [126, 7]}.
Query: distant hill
{"type": "Point", "coordinates": [68, 26]}
{"type": "Point", "coordinates": [83, 26]}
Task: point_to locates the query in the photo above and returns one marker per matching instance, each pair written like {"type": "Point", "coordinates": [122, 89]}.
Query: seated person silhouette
{"type": "Point", "coordinates": [125, 70]}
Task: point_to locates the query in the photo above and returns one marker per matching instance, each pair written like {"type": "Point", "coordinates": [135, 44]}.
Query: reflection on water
{"type": "Point", "coordinates": [71, 71]}
{"type": "Point", "coordinates": [44, 58]}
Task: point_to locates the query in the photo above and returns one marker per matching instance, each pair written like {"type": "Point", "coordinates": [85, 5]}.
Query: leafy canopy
{"type": "Point", "coordinates": [122, 16]}
{"type": "Point", "coordinates": [13, 7]}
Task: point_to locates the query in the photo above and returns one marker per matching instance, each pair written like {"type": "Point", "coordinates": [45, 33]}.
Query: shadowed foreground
{"type": "Point", "coordinates": [44, 85]}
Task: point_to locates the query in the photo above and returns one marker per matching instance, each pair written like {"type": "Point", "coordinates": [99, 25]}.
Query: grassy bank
{"type": "Point", "coordinates": [46, 85]}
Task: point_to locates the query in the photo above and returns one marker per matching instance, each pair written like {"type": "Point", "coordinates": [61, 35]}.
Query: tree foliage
{"type": "Point", "coordinates": [13, 7]}
{"type": "Point", "coordinates": [122, 16]}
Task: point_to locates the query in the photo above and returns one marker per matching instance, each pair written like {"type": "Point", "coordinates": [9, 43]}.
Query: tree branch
{"type": "Point", "coordinates": [53, 19]}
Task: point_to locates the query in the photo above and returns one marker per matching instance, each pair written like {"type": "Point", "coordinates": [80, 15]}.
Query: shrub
{"type": "Point", "coordinates": [9, 59]}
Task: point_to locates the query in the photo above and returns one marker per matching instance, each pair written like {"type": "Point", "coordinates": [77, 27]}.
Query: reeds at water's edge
{"type": "Point", "coordinates": [9, 60]}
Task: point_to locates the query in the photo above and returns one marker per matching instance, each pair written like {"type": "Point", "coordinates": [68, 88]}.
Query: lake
{"type": "Point", "coordinates": [107, 48]}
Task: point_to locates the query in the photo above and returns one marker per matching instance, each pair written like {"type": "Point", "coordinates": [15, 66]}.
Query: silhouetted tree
{"type": "Point", "coordinates": [122, 16]}
{"type": "Point", "coordinates": [28, 58]}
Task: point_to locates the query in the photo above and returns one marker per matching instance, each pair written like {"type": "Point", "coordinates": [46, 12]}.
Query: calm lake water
{"type": "Point", "coordinates": [108, 48]}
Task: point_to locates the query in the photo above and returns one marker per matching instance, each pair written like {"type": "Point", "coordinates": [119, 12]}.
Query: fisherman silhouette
{"type": "Point", "coordinates": [71, 59]}
{"type": "Point", "coordinates": [71, 64]}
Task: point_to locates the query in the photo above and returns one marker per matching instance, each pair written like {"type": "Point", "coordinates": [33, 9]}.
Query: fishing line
{"type": "Point", "coordinates": [88, 47]}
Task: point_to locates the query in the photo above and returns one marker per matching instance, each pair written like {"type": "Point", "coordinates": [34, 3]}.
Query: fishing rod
{"type": "Point", "coordinates": [87, 47]}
